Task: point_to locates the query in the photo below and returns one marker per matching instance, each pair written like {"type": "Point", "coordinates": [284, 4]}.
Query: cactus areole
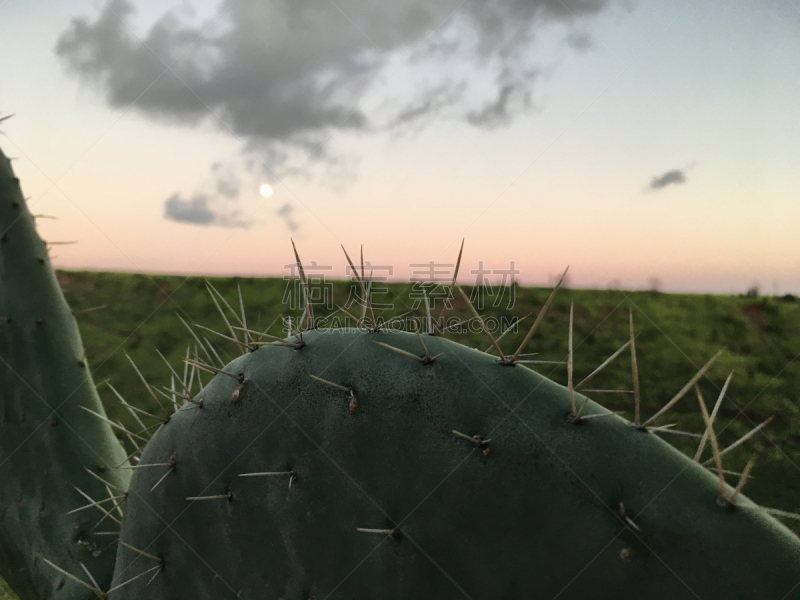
{"type": "Point", "coordinates": [349, 464]}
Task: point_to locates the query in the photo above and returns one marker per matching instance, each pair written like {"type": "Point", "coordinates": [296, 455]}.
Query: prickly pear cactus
{"type": "Point", "coordinates": [368, 463]}
{"type": "Point", "coordinates": [389, 501]}
{"type": "Point", "coordinates": [53, 451]}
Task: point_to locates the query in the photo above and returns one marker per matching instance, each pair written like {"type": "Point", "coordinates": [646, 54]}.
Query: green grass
{"type": "Point", "coordinates": [676, 334]}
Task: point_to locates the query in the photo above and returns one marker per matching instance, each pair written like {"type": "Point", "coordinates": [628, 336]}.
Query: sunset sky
{"type": "Point", "coordinates": [630, 140]}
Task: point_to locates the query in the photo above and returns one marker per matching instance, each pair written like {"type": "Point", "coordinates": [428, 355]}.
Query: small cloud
{"type": "Point", "coordinates": [197, 210]}
{"type": "Point", "coordinates": [580, 41]}
{"type": "Point", "coordinates": [431, 103]}
{"type": "Point", "coordinates": [214, 203]}
{"type": "Point", "coordinates": [673, 177]}
{"type": "Point", "coordinates": [194, 211]}
{"type": "Point", "coordinates": [512, 98]}
{"type": "Point", "coordinates": [286, 211]}
{"type": "Point", "coordinates": [226, 181]}
{"type": "Point", "coordinates": [228, 187]}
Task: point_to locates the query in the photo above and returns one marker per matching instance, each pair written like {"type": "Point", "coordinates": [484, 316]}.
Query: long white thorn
{"type": "Point", "coordinates": [100, 508]}
{"type": "Point", "coordinates": [483, 325]}
{"type": "Point", "coordinates": [89, 575]}
{"type": "Point", "coordinates": [570, 359]}
{"type": "Point", "coordinates": [142, 552]}
{"type": "Point", "coordinates": [101, 480]}
{"type": "Point", "coordinates": [685, 389]}
{"type": "Point", "coordinates": [97, 591]}
{"type": "Point", "coordinates": [400, 351]}
{"type": "Point", "coordinates": [509, 328]}
{"type": "Point", "coordinates": [163, 477]}
{"type": "Point", "coordinates": [146, 385]}
{"type": "Point", "coordinates": [332, 384]}
{"type": "Point", "coordinates": [214, 352]}
{"type": "Point", "coordinates": [244, 317]}
{"type": "Point", "coordinates": [637, 395]}
{"type": "Point", "coordinates": [93, 504]}
{"type": "Point", "coordinates": [714, 445]}
{"type": "Point", "coordinates": [453, 282]}
{"type": "Point", "coordinates": [114, 425]}
{"type": "Point", "coordinates": [214, 293]}
{"type": "Point", "coordinates": [187, 379]}
{"type": "Point", "coordinates": [130, 408]}
{"type": "Point", "coordinates": [389, 532]}
{"type": "Point", "coordinates": [197, 340]}
{"type": "Point", "coordinates": [178, 377]}
{"type": "Point", "coordinates": [309, 308]}
{"type": "Point", "coordinates": [117, 505]}
{"type": "Point", "coordinates": [135, 577]}
{"type": "Point", "coordinates": [421, 341]}
{"type": "Point", "coordinates": [539, 317]}
{"type": "Point", "coordinates": [713, 416]}
{"type": "Point", "coordinates": [742, 480]}
{"type": "Point", "coordinates": [429, 321]}
{"type": "Point", "coordinates": [743, 439]}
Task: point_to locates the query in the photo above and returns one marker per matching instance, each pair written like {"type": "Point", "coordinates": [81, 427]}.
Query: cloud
{"type": "Point", "coordinates": [214, 203]}
{"type": "Point", "coordinates": [428, 104]}
{"type": "Point", "coordinates": [580, 41]}
{"type": "Point", "coordinates": [512, 97]}
{"type": "Point", "coordinates": [198, 210]}
{"type": "Point", "coordinates": [227, 183]}
{"type": "Point", "coordinates": [673, 177]}
{"type": "Point", "coordinates": [195, 211]}
{"type": "Point", "coordinates": [285, 75]}
{"type": "Point", "coordinates": [286, 211]}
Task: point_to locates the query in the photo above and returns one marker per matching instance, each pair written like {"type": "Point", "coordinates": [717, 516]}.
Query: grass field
{"type": "Point", "coordinates": [676, 335]}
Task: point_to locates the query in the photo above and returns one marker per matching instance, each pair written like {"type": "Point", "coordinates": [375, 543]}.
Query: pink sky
{"type": "Point", "coordinates": [565, 182]}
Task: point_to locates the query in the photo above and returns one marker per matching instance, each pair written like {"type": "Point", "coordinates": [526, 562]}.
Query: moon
{"type": "Point", "coordinates": [265, 190]}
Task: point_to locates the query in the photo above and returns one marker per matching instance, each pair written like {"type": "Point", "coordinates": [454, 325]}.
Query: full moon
{"type": "Point", "coordinates": [266, 190]}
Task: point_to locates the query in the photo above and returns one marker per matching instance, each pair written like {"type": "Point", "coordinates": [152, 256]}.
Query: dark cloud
{"type": "Point", "coordinates": [512, 98]}
{"type": "Point", "coordinates": [284, 74]}
{"type": "Point", "coordinates": [429, 104]}
{"type": "Point", "coordinates": [673, 177]}
{"type": "Point", "coordinates": [227, 188]}
{"type": "Point", "coordinates": [195, 211]}
{"type": "Point", "coordinates": [227, 183]}
{"type": "Point", "coordinates": [214, 203]}
{"type": "Point", "coordinates": [287, 212]}
{"type": "Point", "coordinates": [580, 41]}
{"type": "Point", "coordinates": [198, 210]}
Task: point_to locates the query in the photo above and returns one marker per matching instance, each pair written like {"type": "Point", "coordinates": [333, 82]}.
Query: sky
{"type": "Point", "coordinates": [641, 143]}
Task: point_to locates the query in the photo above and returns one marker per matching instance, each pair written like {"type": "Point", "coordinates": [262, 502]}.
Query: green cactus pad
{"type": "Point", "coordinates": [348, 465]}
{"type": "Point", "coordinates": [373, 495]}
{"type": "Point", "coordinates": [46, 440]}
